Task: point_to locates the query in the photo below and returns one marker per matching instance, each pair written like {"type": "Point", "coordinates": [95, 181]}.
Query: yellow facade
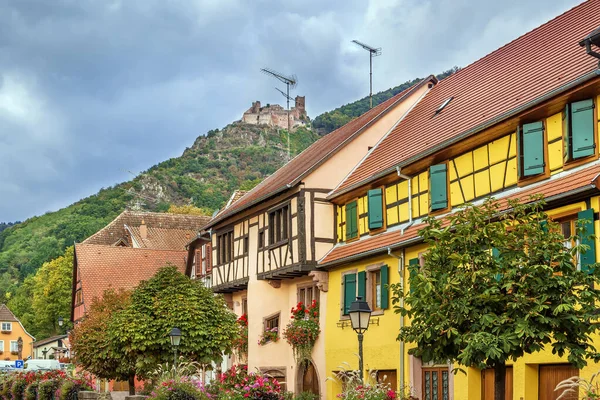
{"type": "Point", "coordinates": [487, 170]}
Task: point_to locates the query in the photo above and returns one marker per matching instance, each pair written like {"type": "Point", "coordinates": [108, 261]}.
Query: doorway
{"type": "Point", "coordinates": [308, 380]}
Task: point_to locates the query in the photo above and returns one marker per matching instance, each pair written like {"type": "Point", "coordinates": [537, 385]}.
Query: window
{"type": "Point", "coordinates": [435, 384]}
{"type": "Point", "coordinates": [307, 294]}
{"type": "Point", "coordinates": [225, 247]}
{"type": "Point", "coordinates": [568, 227]}
{"type": "Point", "coordinates": [438, 187]}
{"type": "Point", "coordinates": [349, 292]}
{"type": "Point", "coordinates": [351, 220]}
{"type": "Point", "coordinates": [355, 285]}
{"type": "Point", "coordinates": [78, 297]}
{"type": "Point", "coordinates": [531, 141]}
{"type": "Point", "coordinates": [278, 225]}
{"type": "Point", "coordinates": [246, 244]}
{"type": "Point", "coordinates": [578, 127]}
{"type": "Point", "coordinates": [261, 239]}
{"type": "Point", "coordinates": [14, 346]}
{"type": "Point", "coordinates": [375, 197]}
{"type": "Point", "coordinates": [271, 323]}
{"type": "Point", "coordinates": [6, 326]}
{"type": "Point", "coordinates": [244, 306]}
{"type": "Point", "coordinates": [2, 345]}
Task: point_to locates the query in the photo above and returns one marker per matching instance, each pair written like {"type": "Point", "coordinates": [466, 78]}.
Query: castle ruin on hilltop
{"type": "Point", "coordinates": [276, 115]}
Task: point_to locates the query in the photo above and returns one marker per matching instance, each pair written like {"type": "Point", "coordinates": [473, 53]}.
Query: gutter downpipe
{"type": "Point", "coordinates": [401, 272]}
{"type": "Point", "coordinates": [410, 213]}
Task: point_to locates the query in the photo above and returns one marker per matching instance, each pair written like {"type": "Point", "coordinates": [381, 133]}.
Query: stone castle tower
{"type": "Point", "coordinates": [276, 115]}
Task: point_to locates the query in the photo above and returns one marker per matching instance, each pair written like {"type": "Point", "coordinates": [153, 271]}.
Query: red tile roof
{"type": "Point", "coordinates": [580, 179]}
{"type": "Point", "coordinates": [103, 267]}
{"type": "Point", "coordinates": [292, 172]}
{"type": "Point", "coordinates": [506, 80]}
{"type": "Point", "coordinates": [165, 231]}
{"type": "Point", "coordinates": [6, 315]}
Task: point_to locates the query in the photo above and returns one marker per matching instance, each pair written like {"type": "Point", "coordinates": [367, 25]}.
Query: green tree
{"type": "Point", "coordinates": [95, 351]}
{"type": "Point", "coordinates": [170, 299]}
{"type": "Point", "coordinates": [495, 286]}
{"type": "Point", "coordinates": [52, 294]}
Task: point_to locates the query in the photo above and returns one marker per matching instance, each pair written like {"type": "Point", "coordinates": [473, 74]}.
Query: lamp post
{"type": "Point", "coordinates": [360, 314]}
{"type": "Point", "coordinates": [175, 336]}
{"type": "Point", "coordinates": [61, 321]}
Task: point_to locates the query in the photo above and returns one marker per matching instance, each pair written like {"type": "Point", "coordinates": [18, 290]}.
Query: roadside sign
{"type": "Point", "coordinates": [19, 364]}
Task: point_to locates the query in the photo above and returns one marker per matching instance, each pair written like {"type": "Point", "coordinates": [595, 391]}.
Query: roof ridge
{"type": "Point", "coordinates": [123, 248]}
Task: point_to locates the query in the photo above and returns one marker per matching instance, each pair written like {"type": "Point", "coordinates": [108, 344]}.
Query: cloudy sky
{"type": "Point", "coordinates": [91, 89]}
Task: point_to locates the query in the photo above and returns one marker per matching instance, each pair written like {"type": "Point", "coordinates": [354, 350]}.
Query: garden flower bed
{"type": "Point", "coordinates": [51, 385]}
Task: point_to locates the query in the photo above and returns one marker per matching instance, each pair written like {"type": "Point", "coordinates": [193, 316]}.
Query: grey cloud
{"type": "Point", "coordinates": [90, 88]}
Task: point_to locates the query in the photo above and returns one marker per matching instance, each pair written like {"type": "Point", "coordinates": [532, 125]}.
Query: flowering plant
{"type": "Point", "coordinates": [238, 383]}
{"type": "Point", "coordinates": [303, 330]}
{"type": "Point", "coordinates": [370, 389]}
{"type": "Point", "coordinates": [269, 335]}
{"type": "Point", "coordinates": [240, 344]}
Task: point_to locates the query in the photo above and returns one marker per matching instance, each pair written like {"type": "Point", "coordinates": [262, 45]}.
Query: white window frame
{"type": "Point", "coordinates": [16, 345]}
{"type": "Point", "coordinates": [6, 326]}
{"type": "Point", "coordinates": [2, 345]}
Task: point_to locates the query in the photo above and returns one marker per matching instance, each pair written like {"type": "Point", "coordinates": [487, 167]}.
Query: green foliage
{"type": "Point", "coordinates": [332, 120]}
{"type": "Point", "coordinates": [46, 389]}
{"type": "Point", "coordinates": [166, 300]}
{"type": "Point", "coordinates": [31, 391]}
{"type": "Point", "coordinates": [497, 286]}
{"type": "Point", "coordinates": [96, 352]}
{"type": "Point", "coordinates": [18, 388]}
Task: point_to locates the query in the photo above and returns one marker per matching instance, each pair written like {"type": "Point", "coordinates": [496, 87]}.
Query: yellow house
{"type": "Point", "coordinates": [11, 330]}
{"type": "Point", "coordinates": [265, 244]}
{"type": "Point", "coordinates": [520, 121]}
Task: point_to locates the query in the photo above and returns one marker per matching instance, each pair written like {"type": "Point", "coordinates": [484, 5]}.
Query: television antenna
{"type": "Point", "coordinates": [373, 52]}
{"type": "Point", "coordinates": [285, 95]}
{"type": "Point", "coordinates": [290, 82]}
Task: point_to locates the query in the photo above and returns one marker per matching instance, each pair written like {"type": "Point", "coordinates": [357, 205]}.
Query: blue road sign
{"type": "Point", "coordinates": [19, 363]}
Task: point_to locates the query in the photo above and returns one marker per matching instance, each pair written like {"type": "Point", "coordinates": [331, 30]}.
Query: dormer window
{"type": "Point", "coordinates": [6, 327]}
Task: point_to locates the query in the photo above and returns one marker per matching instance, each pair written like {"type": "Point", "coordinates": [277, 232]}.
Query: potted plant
{"type": "Point", "coordinates": [269, 335]}
{"type": "Point", "coordinates": [303, 330]}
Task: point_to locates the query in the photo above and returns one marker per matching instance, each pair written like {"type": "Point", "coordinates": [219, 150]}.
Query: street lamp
{"type": "Point", "coordinates": [360, 314]}
{"type": "Point", "coordinates": [61, 321]}
{"type": "Point", "coordinates": [175, 336]}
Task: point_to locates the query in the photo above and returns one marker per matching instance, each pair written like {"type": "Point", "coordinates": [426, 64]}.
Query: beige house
{"type": "Point", "coordinates": [266, 244]}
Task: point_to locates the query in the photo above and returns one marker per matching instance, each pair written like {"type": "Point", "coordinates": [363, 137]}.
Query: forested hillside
{"type": "Point", "coordinates": [204, 176]}
{"type": "Point", "coordinates": [331, 120]}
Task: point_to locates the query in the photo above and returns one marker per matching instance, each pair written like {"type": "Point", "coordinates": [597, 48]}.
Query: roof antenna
{"type": "Point", "coordinates": [373, 52]}
{"type": "Point", "coordinates": [290, 81]}
{"type": "Point", "coordinates": [592, 39]}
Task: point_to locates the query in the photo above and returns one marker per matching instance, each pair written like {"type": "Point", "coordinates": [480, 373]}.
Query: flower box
{"type": "Point", "coordinates": [6, 332]}
{"type": "Point", "coordinates": [14, 353]}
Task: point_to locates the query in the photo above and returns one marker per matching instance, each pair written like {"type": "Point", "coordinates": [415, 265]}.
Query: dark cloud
{"type": "Point", "coordinates": [91, 89]}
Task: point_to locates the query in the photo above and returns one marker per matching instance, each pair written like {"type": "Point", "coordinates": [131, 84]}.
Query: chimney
{"type": "Point", "coordinates": [143, 230]}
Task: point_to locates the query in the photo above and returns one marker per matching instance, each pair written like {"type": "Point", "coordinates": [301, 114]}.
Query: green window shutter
{"type": "Point", "coordinates": [582, 128]}
{"type": "Point", "coordinates": [532, 149]}
{"type": "Point", "coordinates": [362, 285]}
{"type": "Point", "coordinates": [351, 220]}
{"type": "Point", "coordinates": [375, 208]}
{"type": "Point", "coordinates": [349, 291]}
{"type": "Point", "coordinates": [413, 270]}
{"type": "Point", "coordinates": [588, 258]}
{"type": "Point", "coordinates": [385, 281]}
{"type": "Point", "coordinates": [567, 134]}
{"type": "Point", "coordinates": [438, 187]}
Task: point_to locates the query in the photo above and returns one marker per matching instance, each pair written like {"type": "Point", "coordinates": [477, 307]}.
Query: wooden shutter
{"type": "Point", "coordinates": [582, 128]}
{"type": "Point", "coordinates": [587, 258]}
{"type": "Point", "coordinates": [438, 187]}
{"type": "Point", "coordinates": [349, 291]}
{"type": "Point", "coordinates": [567, 134]}
{"type": "Point", "coordinates": [351, 220]}
{"type": "Point", "coordinates": [362, 285]}
{"type": "Point", "coordinates": [375, 208]}
{"type": "Point", "coordinates": [385, 281]}
{"type": "Point", "coordinates": [532, 149]}
{"type": "Point", "coordinates": [413, 270]}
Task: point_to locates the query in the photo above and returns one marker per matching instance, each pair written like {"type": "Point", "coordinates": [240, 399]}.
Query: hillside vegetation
{"type": "Point", "coordinates": [238, 156]}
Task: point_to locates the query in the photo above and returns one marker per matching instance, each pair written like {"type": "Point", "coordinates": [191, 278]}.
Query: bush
{"type": "Point", "coordinates": [6, 381]}
{"type": "Point", "coordinates": [47, 388]}
{"type": "Point", "coordinates": [18, 388]}
{"type": "Point", "coordinates": [71, 388]}
{"type": "Point", "coordinates": [185, 389]}
{"type": "Point", "coordinates": [307, 396]}
{"type": "Point", "coordinates": [31, 391]}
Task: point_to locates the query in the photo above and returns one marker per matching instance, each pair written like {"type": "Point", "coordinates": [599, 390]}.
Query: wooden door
{"type": "Point", "coordinates": [310, 381]}
{"type": "Point", "coordinates": [552, 375]}
{"type": "Point", "coordinates": [435, 383]}
{"type": "Point", "coordinates": [389, 378]}
{"type": "Point", "coordinates": [120, 386]}
{"type": "Point", "coordinates": [488, 380]}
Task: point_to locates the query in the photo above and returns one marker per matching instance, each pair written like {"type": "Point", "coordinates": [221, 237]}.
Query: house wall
{"type": "Point", "coordinates": [486, 170]}
{"type": "Point", "coordinates": [18, 331]}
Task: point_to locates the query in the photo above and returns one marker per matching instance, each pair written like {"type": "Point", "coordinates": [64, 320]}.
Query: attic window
{"type": "Point", "coordinates": [443, 105]}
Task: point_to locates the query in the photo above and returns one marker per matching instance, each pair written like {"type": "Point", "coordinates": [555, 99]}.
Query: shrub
{"type": "Point", "coordinates": [70, 388]}
{"type": "Point", "coordinates": [307, 396]}
{"type": "Point", "coordinates": [185, 389]}
{"type": "Point", "coordinates": [18, 388]}
{"type": "Point", "coordinates": [31, 391]}
{"type": "Point", "coordinates": [240, 344]}
{"type": "Point", "coordinates": [46, 389]}
{"type": "Point", "coordinates": [5, 386]}
{"type": "Point", "coordinates": [238, 383]}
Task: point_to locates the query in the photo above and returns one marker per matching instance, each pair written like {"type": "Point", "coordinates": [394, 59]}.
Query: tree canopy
{"type": "Point", "coordinates": [495, 286]}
